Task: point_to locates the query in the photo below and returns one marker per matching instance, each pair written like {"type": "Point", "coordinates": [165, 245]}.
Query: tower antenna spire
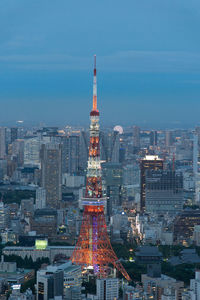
{"type": "Point", "coordinates": [95, 86]}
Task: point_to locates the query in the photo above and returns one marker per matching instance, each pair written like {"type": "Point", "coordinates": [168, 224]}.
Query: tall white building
{"type": "Point", "coordinates": [195, 286]}
{"type": "Point", "coordinates": [107, 288]}
{"type": "Point", "coordinates": [196, 167]}
{"type": "Point", "coordinates": [3, 216]}
{"type": "Point", "coordinates": [32, 151]}
{"type": "Point", "coordinates": [40, 201]}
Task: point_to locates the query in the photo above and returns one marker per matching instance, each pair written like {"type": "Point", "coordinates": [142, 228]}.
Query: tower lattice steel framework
{"type": "Point", "coordinates": [93, 247]}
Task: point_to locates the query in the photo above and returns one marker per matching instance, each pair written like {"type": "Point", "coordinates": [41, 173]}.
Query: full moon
{"type": "Point", "coordinates": [119, 129]}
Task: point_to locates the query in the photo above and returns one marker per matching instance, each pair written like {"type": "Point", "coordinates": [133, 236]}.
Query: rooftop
{"type": "Point", "coordinates": [148, 251]}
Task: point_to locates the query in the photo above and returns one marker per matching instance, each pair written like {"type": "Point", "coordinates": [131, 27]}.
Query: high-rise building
{"type": "Point", "coordinates": [150, 162]}
{"type": "Point", "coordinates": [153, 138]}
{"type": "Point", "coordinates": [18, 151]}
{"type": "Point", "coordinates": [72, 281]}
{"type": "Point", "coordinates": [131, 174]}
{"type": "Point", "coordinates": [122, 154]}
{"type": "Point", "coordinates": [110, 146]}
{"type": "Point", "coordinates": [168, 138]}
{"type": "Point", "coordinates": [50, 283]}
{"type": "Point", "coordinates": [196, 235]}
{"type": "Point", "coordinates": [107, 288]}
{"type": "Point", "coordinates": [70, 154]}
{"type": "Point", "coordinates": [195, 286]}
{"type": "Point", "coordinates": [51, 174]}
{"type": "Point", "coordinates": [32, 151]}
{"type": "Point", "coordinates": [196, 166]}
{"type": "Point", "coordinates": [164, 192]}
{"type": "Point", "coordinates": [112, 175]}
{"type": "Point", "coordinates": [3, 168]}
{"type": "Point", "coordinates": [2, 142]}
{"type": "Point", "coordinates": [136, 137]}
{"type": "Point", "coordinates": [83, 152]}
{"type": "Point", "coordinates": [197, 133]}
{"type": "Point", "coordinates": [13, 134]}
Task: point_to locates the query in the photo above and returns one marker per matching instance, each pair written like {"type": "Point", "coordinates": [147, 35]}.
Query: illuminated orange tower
{"type": "Point", "coordinates": [93, 248]}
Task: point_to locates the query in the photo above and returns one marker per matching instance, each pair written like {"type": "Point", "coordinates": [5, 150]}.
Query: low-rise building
{"type": "Point", "coordinates": [156, 285]}
{"type": "Point", "coordinates": [49, 252]}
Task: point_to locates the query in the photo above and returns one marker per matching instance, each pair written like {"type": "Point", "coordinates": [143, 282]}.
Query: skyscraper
{"type": "Point", "coordinates": [13, 134]}
{"type": "Point", "coordinates": [110, 146]}
{"type": "Point", "coordinates": [112, 174]}
{"type": "Point", "coordinates": [2, 142]}
{"type": "Point", "coordinates": [168, 138]}
{"type": "Point", "coordinates": [83, 151]}
{"type": "Point", "coordinates": [70, 154]}
{"type": "Point", "coordinates": [152, 162]}
{"type": "Point", "coordinates": [51, 173]}
{"type": "Point", "coordinates": [32, 151]}
{"type": "Point", "coordinates": [153, 138]}
{"type": "Point", "coordinates": [18, 151]}
{"type": "Point", "coordinates": [136, 137]}
{"type": "Point", "coordinates": [196, 166]}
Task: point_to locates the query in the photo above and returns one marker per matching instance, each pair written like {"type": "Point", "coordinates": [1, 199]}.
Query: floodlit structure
{"type": "Point", "coordinates": [93, 248]}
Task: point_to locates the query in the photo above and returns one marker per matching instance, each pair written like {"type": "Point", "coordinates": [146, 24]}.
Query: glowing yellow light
{"type": "Point", "coordinates": [41, 244]}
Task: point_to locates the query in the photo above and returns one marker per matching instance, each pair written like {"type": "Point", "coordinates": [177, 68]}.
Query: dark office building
{"type": "Point", "coordinates": [136, 138]}
{"type": "Point", "coordinates": [44, 222]}
{"type": "Point", "coordinates": [122, 155]}
{"type": "Point", "coordinates": [70, 154]}
{"type": "Point", "coordinates": [51, 174]}
{"type": "Point", "coordinates": [109, 146]}
{"type": "Point", "coordinates": [168, 138]}
{"type": "Point", "coordinates": [150, 162]}
{"type": "Point", "coordinates": [164, 192]}
{"type": "Point", "coordinates": [184, 224]}
{"type": "Point", "coordinates": [153, 138]}
{"type": "Point", "coordinates": [13, 134]}
{"type": "Point", "coordinates": [50, 284]}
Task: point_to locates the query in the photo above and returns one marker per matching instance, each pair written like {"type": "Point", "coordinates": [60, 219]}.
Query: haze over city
{"type": "Point", "coordinates": [148, 58]}
{"type": "Point", "coordinates": [99, 150]}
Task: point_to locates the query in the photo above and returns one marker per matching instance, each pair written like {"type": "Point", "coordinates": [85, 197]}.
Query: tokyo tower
{"type": "Point", "coordinates": [93, 248]}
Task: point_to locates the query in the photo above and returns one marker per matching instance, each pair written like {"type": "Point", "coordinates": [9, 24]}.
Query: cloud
{"type": "Point", "coordinates": [153, 61]}
{"type": "Point", "coordinates": [123, 61]}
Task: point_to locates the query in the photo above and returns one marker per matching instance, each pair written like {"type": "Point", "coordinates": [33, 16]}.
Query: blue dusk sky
{"type": "Point", "coordinates": [148, 61]}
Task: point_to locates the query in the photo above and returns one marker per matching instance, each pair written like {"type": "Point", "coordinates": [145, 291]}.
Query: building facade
{"type": "Point", "coordinates": [51, 174]}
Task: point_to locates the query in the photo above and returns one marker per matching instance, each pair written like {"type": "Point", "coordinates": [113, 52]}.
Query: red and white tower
{"type": "Point", "coordinates": [93, 247]}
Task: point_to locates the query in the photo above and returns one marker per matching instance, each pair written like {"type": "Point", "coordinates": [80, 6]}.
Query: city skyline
{"type": "Point", "coordinates": [147, 56]}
